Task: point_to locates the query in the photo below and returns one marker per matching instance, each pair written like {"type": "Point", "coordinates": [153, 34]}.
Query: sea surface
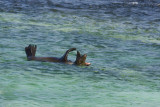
{"type": "Point", "coordinates": [120, 37]}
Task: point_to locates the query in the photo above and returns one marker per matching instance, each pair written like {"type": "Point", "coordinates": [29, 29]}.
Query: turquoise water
{"type": "Point", "coordinates": [121, 39]}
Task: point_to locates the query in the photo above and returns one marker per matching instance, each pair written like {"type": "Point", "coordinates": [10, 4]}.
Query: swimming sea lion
{"type": "Point", "coordinates": [80, 60]}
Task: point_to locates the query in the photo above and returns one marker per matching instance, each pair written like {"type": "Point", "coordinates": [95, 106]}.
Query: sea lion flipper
{"type": "Point", "coordinates": [65, 56]}
{"type": "Point", "coordinates": [33, 49]}
{"type": "Point", "coordinates": [30, 50]}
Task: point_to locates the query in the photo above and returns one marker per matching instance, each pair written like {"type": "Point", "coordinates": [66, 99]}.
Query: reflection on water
{"type": "Point", "coordinates": [121, 39]}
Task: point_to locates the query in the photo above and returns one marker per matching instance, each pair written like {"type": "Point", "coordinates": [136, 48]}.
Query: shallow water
{"type": "Point", "coordinates": [121, 39]}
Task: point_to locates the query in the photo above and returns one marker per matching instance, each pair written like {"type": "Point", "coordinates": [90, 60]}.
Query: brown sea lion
{"type": "Point", "coordinates": [80, 60]}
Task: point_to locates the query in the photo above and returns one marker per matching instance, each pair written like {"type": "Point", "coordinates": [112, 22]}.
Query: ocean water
{"type": "Point", "coordinates": [120, 37]}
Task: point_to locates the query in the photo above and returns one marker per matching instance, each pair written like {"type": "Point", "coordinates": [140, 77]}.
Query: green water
{"type": "Point", "coordinates": [124, 52]}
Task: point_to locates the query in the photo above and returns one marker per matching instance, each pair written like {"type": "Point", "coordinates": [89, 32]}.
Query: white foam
{"type": "Point", "coordinates": [133, 3]}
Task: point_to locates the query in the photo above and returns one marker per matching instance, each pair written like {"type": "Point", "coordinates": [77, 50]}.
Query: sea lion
{"type": "Point", "coordinates": [80, 60]}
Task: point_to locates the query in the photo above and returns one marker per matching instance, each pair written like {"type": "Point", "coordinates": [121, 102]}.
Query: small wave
{"type": "Point", "coordinates": [133, 3]}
